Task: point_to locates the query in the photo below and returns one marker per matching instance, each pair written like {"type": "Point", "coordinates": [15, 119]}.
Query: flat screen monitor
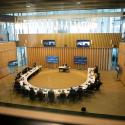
{"type": "Point", "coordinates": [83, 43]}
{"type": "Point", "coordinates": [52, 59]}
{"type": "Point", "coordinates": [80, 60]}
{"type": "Point", "coordinates": [13, 63]}
{"type": "Point", "coordinates": [49, 43]}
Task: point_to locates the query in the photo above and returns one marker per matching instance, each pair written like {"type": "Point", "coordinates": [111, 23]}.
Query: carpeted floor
{"type": "Point", "coordinates": [54, 79]}
{"type": "Point", "coordinates": [108, 100]}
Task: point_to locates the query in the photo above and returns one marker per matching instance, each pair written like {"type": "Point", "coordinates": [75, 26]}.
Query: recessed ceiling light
{"type": "Point", "coordinates": [28, 6]}
{"type": "Point", "coordinates": [78, 3]}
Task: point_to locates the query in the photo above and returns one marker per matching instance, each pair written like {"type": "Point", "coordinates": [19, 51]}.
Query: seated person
{"type": "Point", "coordinates": [17, 86]}
{"type": "Point", "coordinates": [24, 70]}
{"type": "Point", "coordinates": [62, 96]}
{"type": "Point", "coordinates": [40, 95]}
{"type": "Point", "coordinates": [65, 65]}
{"type": "Point", "coordinates": [79, 93]}
{"type": "Point", "coordinates": [72, 95]}
{"type": "Point", "coordinates": [18, 75]}
{"type": "Point", "coordinates": [97, 77]}
{"type": "Point", "coordinates": [96, 69]}
{"type": "Point", "coordinates": [51, 96]}
{"type": "Point", "coordinates": [34, 64]}
{"type": "Point", "coordinates": [97, 84]}
{"type": "Point", "coordinates": [32, 94]}
{"type": "Point", "coordinates": [27, 69]}
{"type": "Point", "coordinates": [25, 92]}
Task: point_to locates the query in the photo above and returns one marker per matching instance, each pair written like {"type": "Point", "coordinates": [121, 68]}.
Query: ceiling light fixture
{"type": "Point", "coordinates": [28, 6]}
{"type": "Point", "coordinates": [78, 3]}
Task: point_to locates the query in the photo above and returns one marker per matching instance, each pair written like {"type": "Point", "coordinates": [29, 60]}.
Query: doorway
{"type": "Point", "coordinates": [21, 56]}
{"type": "Point", "coordinates": [114, 57]}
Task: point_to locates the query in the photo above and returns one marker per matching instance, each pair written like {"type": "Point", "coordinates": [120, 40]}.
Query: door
{"type": "Point", "coordinates": [21, 56]}
{"type": "Point", "coordinates": [114, 57]}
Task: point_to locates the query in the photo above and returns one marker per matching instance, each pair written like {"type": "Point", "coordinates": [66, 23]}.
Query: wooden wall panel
{"type": "Point", "coordinates": [98, 39]}
{"type": "Point", "coordinates": [121, 60]}
{"type": "Point", "coordinates": [7, 53]}
{"type": "Point", "coordinates": [95, 56]}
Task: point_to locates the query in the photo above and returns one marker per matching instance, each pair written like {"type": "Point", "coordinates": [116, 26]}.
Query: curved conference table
{"type": "Point", "coordinates": [24, 80]}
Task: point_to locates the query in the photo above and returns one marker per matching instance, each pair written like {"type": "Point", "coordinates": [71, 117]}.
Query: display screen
{"type": "Point", "coordinates": [49, 43]}
{"type": "Point", "coordinates": [83, 43]}
{"type": "Point", "coordinates": [80, 60]}
{"type": "Point", "coordinates": [52, 59]}
{"type": "Point", "coordinates": [13, 63]}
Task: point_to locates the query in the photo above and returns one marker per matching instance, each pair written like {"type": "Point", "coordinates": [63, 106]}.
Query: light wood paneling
{"type": "Point", "coordinates": [95, 56]}
{"type": "Point", "coordinates": [98, 39]}
{"type": "Point", "coordinates": [121, 60]}
{"type": "Point", "coordinates": [7, 53]}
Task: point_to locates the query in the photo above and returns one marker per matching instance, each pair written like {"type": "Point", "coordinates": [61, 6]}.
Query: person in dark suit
{"type": "Point", "coordinates": [79, 93]}
{"type": "Point", "coordinates": [62, 96]}
{"type": "Point", "coordinates": [97, 77]}
{"type": "Point", "coordinates": [17, 86]}
{"type": "Point", "coordinates": [72, 95]}
{"type": "Point", "coordinates": [96, 69]}
{"type": "Point", "coordinates": [97, 84]}
{"type": "Point", "coordinates": [32, 94]}
{"type": "Point", "coordinates": [66, 67]}
{"type": "Point", "coordinates": [51, 96]}
{"type": "Point", "coordinates": [40, 95]}
{"type": "Point", "coordinates": [18, 75]}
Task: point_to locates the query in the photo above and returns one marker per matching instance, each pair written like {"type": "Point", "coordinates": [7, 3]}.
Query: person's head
{"type": "Point", "coordinates": [83, 109]}
{"type": "Point", "coordinates": [96, 66]}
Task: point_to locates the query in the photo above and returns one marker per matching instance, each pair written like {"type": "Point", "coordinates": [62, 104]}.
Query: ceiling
{"type": "Point", "coordinates": [11, 6]}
